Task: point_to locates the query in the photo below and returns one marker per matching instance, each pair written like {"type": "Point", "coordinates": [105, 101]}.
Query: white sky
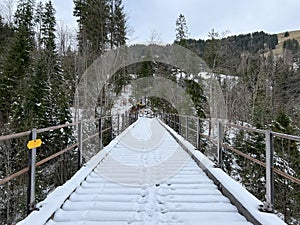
{"type": "Point", "coordinates": [237, 16]}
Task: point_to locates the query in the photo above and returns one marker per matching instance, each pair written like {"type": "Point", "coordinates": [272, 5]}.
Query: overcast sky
{"type": "Point", "coordinates": [146, 17]}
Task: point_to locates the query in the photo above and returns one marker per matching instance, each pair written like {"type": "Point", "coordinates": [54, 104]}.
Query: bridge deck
{"type": "Point", "coordinates": [142, 177]}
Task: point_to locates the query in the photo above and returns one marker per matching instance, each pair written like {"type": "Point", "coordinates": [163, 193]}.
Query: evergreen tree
{"type": "Point", "coordinates": [18, 66]}
{"type": "Point", "coordinates": [292, 45]}
{"type": "Point", "coordinates": [38, 24]}
{"type": "Point", "coordinates": [98, 23]}
{"type": "Point", "coordinates": [120, 26]}
{"type": "Point", "coordinates": [286, 158]}
{"type": "Point", "coordinates": [6, 37]}
{"type": "Point", "coordinates": [181, 29]}
{"type": "Point", "coordinates": [59, 108]}
{"type": "Point", "coordinates": [93, 26]}
{"type": "Point", "coordinates": [116, 24]}
{"type": "Point", "coordinates": [211, 54]}
{"type": "Point", "coordinates": [286, 34]}
{"type": "Point", "coordinates": [195, 91]}
{"type": "Point", "coordinates": [281, 86]}
{"type": "Point", "coordinates": [69, 71]}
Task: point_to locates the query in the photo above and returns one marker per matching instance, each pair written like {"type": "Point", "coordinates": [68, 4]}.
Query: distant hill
{"type": "Point", "coordinates": [292, 35]}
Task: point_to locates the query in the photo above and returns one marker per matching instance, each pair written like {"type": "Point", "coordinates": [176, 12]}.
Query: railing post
{"type": "Point", "coordinates": [31, 177]}
{"type": "Point", "coordinates": [111, 128]}
{"type": "Point", "coordinates": [126, 120]}
{"type": "Point", "coordinates": [180, 127]}
{"type": "Point", "coordinates": [187, 128]}
{"type": "Point", "coordinates": [174, 122]}
{"type": "Point", "coordinates": [269, 203]}
{"type": "Point", "coordinates": [118, 122]}
{"type": "Point", "coordinates": [123, 122]}
{"type": "Point", "coordinates": [198, 133]}
{"type": "Point", "coordinates": [79, 161]}
{"type": "Point", "coordinates": [167, 119]}
{"type": "Point", "coordinates": [100, 132]}
{"type": "Point", "coordinates": [220, 142]}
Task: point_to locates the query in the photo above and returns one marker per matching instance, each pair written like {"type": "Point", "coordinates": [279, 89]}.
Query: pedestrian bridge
{"type": "Point", "coordinates": [149, 174]}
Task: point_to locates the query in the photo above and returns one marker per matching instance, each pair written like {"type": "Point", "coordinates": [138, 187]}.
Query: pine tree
{"type": "Point", "coordinates": [6, 37]}
{"type": "Point", "coordinates": [181, 29]}
{"type": "Point", "coordinates": [38, 24]}
{"type": "Point", "coordinates": [59, 108]}
{"type": "Point", "coordinates": [18, 67]}
{"type": "Point", "coordinates": [119, 21]}
{"type": "Point", "coordinates": [211, 53]}
{"type": "Point", "coordinates": [281, 86]}
{"type": "Point", "coordinates": [69, 72]}
{"type": "Point", "coordinates": [39, 88]}
{"type": "Point", "coordinates": [93, 26]}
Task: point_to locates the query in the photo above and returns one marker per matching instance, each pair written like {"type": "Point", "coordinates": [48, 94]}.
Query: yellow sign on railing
{"type": "Point", "coordinates": [34, 143]}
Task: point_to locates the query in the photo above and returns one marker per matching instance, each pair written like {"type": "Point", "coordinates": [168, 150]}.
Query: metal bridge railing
{"type": "Point", "coordinates": [112, 130]}
{"type": "Point", "coordinates": [189, 127]}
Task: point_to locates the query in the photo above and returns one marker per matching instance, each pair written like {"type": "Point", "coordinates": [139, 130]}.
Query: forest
{"type": "Point", "coordinates": [41, 62]}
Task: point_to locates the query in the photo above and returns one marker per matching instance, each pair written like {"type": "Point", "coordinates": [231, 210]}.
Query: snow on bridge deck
{"type": "Point", "coordinates": [145, 177]}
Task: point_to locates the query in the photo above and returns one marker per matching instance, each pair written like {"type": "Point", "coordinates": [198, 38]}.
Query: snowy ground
{"type": "Point", "coordinates": [124, 102]}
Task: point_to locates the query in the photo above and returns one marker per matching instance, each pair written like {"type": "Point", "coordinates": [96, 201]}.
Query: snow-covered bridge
{"type": "Point", "coordinates": [150, 175]}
